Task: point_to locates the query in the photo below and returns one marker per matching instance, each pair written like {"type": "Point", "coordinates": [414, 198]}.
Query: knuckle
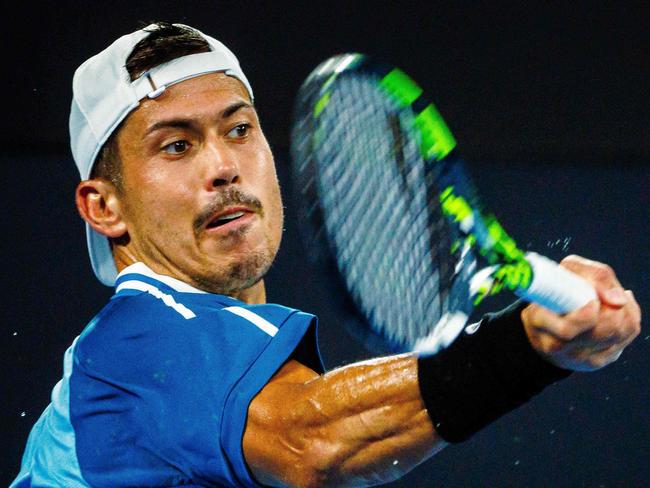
{"type": "Point", "coordinates": [635, 328]}
{"type": "Point", "coordinates": [572, 258]}
{"type": "Point", "coordinates": [636, 308]}
{"type": "Point", "coordinates": [608, 357]}
{"type": "Point", "coordinates": [609, 336]}
{"type": "Point", "coordinates": [599, 361]}
{"type": "Point", "coordinates": [603, 272]}
{"type": "Point", "coordinates": [565, 331]}
{"type": "Point", "coordinates": [552, 346]}
{"type": "Point", "coordinates": [595, 270]}
{"type": "Point", "coordinates": [572, 261]}
{"type": "Point", "coordinates": [530, 314]}
{"type": "Point", "coordinates": [589, 314]}
{"type": "Point", "coordinates": [631, 323]}
{"type": "Point", "coordinates": [533, 318]}
{"type": "Point", "coordinates": [610, 330]}
{"type": "Point", "coordinates": [593, 360]}
{"type": "Point", "coordinates": [633, 304]}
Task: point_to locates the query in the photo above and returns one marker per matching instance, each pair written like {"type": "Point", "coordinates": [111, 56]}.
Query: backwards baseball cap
{"type": "Point", "coordinates": [103, 95]}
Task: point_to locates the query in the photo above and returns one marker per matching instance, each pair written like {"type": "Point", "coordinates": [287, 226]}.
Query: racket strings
{"type": "Point", "coordinates": [392, 215]}
{"type": "Point", "coordinates": [389, 256]}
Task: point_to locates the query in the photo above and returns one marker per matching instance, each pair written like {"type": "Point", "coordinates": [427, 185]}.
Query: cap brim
{"type": "Point", "coordinates": [101, 257]}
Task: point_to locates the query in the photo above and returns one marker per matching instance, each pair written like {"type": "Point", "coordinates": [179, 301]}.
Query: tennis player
{"type": "Point", "coordinates": [187, 376]}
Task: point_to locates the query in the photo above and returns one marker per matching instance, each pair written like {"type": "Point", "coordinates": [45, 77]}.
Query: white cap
{"type": "Point", "coordinates": [103, 95]}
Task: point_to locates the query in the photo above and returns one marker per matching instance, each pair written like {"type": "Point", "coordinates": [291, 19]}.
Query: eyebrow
{"type": "Point", "coordinates": [231, 109]}
{"type": "Point", "coordinates": [182, 123]}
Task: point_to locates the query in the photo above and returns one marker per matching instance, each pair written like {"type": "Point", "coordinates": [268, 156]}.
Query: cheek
{"type": "Point", "coordinates": [277, 220]}
{"type": "Point", "coordinates": [156, 206]}
{"type": "Point", "coordinates": [266, 183]}
{"type": "Point", "coordinates": [273, 195]}
{"type": "Point", "coordinates": [267, 190]}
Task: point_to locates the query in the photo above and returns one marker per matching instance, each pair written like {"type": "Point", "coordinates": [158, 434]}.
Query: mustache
{"type": "Point", "coordinates": [226, 198]}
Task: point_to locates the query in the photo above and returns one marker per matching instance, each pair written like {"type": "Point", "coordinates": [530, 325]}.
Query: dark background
{"type": "Point", "coordinates": [549, 102]}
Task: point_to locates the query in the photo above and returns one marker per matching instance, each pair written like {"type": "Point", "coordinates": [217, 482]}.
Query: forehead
{"type": "Point", "coordinates": [201, 96]}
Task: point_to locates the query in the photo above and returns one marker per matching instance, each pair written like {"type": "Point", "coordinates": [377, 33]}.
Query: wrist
{"type": "Point", "coordinates": [483, 375]}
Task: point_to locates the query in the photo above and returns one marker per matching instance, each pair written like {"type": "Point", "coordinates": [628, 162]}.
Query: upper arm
{"type": "Point", "coordinates": [268, 443]}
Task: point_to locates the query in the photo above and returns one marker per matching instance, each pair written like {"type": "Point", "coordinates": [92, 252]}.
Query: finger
{"type": "Point", "coordinates": [598, 348]}
{"type": "Point", "coordinates": [592, 360]}
{"type": "Point", "coordinates": [612, 297]}
{"type": "Point", "coordinates": [635, 309]}
{"type": "Point", "coordinates": [614, 327]}
{"type": "Point", "coordinates": [590, 343]}
{"type": "Point", "coordinates": [538, 319]}
{"type": "Point", "coordinates": [586, 339]}
{"type": "Point", "coordinates": [622, 324]}
{"type": "Point", "coordinates": [631, 324]}
{"type": "Point", "coordinates": [564, 328]}
{"type": "Point", "coordinates": [598, 274]}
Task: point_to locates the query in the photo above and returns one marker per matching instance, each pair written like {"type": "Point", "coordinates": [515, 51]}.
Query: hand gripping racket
{"type": "Point", "coordinates": [386, 200]}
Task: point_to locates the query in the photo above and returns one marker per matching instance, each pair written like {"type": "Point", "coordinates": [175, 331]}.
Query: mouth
{"type": "Point", "coordinates": [230, 218]}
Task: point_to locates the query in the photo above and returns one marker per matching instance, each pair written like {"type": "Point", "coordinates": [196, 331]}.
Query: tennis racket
{"type": "Point", "coordinates": [386, 201]}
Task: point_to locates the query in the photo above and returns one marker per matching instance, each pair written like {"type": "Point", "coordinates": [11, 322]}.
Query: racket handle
{"type": "Point", "coordinates": [556, 288]}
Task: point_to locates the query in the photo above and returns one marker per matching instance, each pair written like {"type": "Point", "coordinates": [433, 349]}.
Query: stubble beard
{"type": "Point", "coordinates": [245, 271]}
{"type": "Point", "coordinates": [249, 268]}
{"type": "Point", "coordinates": [238, 275]}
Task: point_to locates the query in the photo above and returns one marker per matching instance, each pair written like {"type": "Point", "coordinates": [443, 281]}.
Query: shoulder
{"type": "Point", "coordinates": [137, 329]}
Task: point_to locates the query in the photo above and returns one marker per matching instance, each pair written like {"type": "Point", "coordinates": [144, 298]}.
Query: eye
{"type": "Point", "coordinates": [239, 132]}
{"type": "Point", "coordinates": [176, 147]}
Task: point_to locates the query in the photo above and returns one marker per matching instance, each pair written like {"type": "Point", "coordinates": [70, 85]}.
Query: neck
{"type": "Point", "coordinates": [254, 295]}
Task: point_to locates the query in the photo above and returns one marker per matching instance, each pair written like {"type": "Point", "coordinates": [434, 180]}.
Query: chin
{"type": "Point", "coordinates": [239, 274]}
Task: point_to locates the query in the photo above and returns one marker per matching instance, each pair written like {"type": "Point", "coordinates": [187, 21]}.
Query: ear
{"type": "Point", "coordinates": [99, 204]}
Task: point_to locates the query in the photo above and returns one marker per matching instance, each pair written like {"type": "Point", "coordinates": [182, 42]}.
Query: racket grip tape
{"type": "Point", "coordinates": [483, 375]}
{"type": "Point", "coordinates": [555, 287]}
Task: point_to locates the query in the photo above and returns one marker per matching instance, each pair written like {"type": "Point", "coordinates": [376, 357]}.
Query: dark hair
{"type": "Point", "coordinates": [165, 42]}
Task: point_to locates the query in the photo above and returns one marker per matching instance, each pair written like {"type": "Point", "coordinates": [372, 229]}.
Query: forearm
{"type": "Point", "coordinates": [371, 422]}
{"type": "Point", "coordinates": [358, 425]}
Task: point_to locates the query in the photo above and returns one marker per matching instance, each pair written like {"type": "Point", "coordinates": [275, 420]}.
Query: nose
{"type": "Point", "coordinates": [222, 168]}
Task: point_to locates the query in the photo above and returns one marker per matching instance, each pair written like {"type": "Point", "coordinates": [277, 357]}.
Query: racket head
{"type": "Point", "coordinates": [371, 158]}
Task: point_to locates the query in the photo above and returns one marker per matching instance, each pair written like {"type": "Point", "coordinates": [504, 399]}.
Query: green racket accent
{"type": "Point", "coordinates": [469, 241]}
{"type": "Point", "coordinates": [329, 81]}
{"type": "Point", "coordinates": [436, 139]}
{"type": "Point", "coordinates": [454, 205]}
{"type": "Point", "coordinates": [401, 87]}
{"type": "Point", "coordinates": [498, 246]}
{"type": "Point", "coordinates": [484, 291]}
{"type": "Point", "coordinates": [321, 104]}
{"type": "Point", "coordinates": [503, 244]}
{"type": "Point", "coordinates": [514, 276]}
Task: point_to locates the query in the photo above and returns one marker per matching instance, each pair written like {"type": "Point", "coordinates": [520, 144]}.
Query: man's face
{"type": "Point", "coordinates": [200, 198]}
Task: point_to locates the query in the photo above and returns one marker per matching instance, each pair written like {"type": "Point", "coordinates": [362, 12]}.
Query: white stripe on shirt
{"type": "Point", "coordinates": [258, 321]}
{"type": "Point", "coordinates": [152, 290]}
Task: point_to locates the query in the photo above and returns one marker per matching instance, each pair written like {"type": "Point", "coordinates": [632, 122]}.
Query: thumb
{"type": "Point", "coordinates": [613, 297]}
